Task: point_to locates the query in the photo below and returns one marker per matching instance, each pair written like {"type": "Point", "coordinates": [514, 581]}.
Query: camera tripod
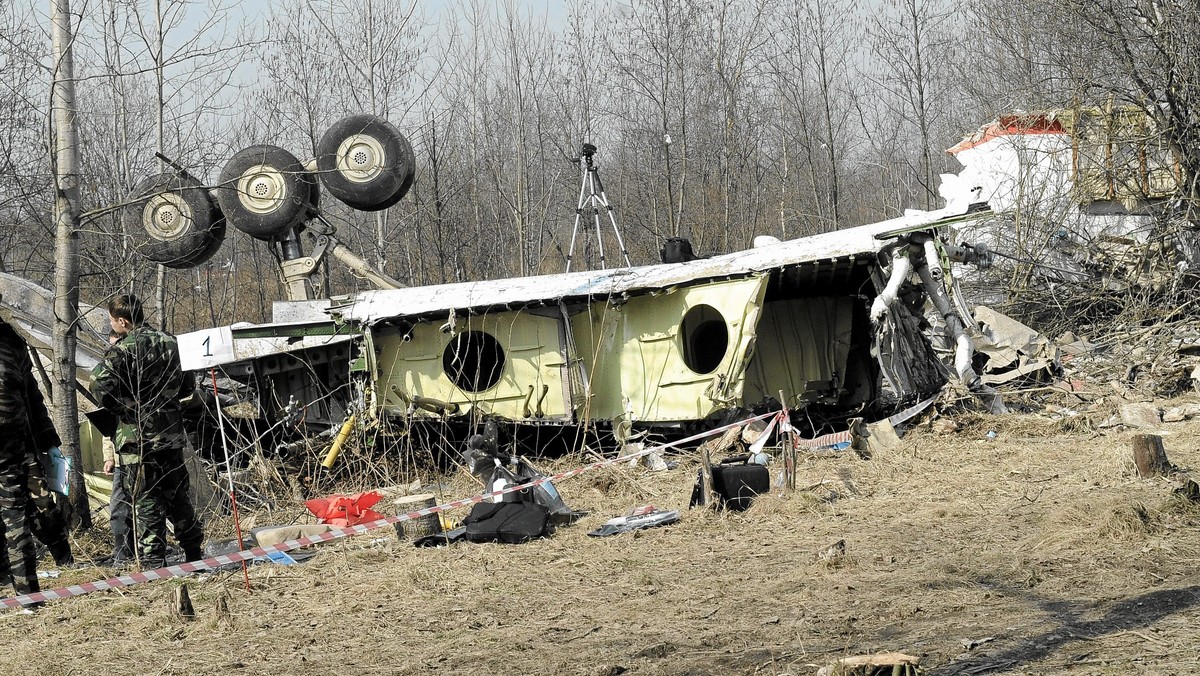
{"type": "Point", "coordinates": [589, 179]}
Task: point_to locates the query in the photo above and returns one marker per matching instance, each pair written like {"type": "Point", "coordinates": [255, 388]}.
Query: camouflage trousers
{"type": "Point", "coordinates": [20, 556]}
{"type": "Point", "coordinates": [158, 489]}
{"type": "Point", "coordinates": [44, 516]}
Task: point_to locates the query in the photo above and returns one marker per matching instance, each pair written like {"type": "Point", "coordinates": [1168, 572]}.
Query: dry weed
{"type": "Point", "coordinates": [1041, 538]}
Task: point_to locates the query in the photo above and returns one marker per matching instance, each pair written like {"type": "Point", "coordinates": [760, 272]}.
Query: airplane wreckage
{"type": "Point", "coordinates": [823, 324]}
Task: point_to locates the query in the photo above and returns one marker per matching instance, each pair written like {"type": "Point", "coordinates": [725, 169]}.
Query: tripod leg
{"type": "Point", "coordinates": [611, 219]}
{"type": "Point", "coordinates": [578, 214]}
{"type": "Point", "coordinates": [596, 217]}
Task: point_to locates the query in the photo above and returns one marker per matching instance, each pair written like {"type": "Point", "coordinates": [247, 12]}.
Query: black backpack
{"type": "Point", "coordinates": [509, 522]}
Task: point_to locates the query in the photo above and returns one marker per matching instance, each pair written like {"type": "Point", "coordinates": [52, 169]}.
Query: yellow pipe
{"type": "Point", "coordinates": [336, 448]}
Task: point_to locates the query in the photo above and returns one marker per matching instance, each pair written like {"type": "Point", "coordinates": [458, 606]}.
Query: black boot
{"type": "Point", "coordinates": [63, 558]}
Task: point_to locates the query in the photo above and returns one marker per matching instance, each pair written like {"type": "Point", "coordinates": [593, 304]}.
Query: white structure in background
{"type": "Point", "coordinates": [1081, 193]}
{"type": "Point", "coordinates": [1076, 174]}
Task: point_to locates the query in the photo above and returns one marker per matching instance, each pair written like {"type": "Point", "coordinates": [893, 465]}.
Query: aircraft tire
{"type": "Point", "coordinates": [264, 191]}
{"type": "Point", "coordinates": [216, 238]}
{"type": "Point", "coordinates": [365, 162]}
{"type": "Point", "coordinates": [170, 220]}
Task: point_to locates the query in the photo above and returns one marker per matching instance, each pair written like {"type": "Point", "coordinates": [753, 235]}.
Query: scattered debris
{"type": "Point", "coordinates": [1013, 350]}
{"type": "Point", "coordinates": [266, 536]}
{"type": "Point", "coordinates": [1181, 413]}
{"type": "Point", "coordinates": [944, 426]}
{"type": "Point", "coordinates": [1140, 415]}
{"type": "Point", "coordinates": [880, 664]}
{"type": "Point", "coordinates": [651, 461]}
{"type": "Point", "coordinates": [341, 511]}
{"type": "Point", "coordinates": [1190, 490]}
{"type": "Point", "coordinates": [834, 555]}
{"type": "Point", "coordinates": [647, 516]}
{"type": "Point", "coordinates": [973, 643]}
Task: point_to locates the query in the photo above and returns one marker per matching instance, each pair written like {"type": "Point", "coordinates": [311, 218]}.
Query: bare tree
{"type": "Point", "coordinates": [1154, 63]}
{"type": "Point", "coordinates": [649, 49]}
{"type": "Point", "coordinates": [66, 241]}
{"type": "Point", "coordinates": [909, 39]}
{"type": "Point", "coordinates": [813, 72]}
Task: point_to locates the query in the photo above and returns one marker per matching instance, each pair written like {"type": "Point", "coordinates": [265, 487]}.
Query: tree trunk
{"type": "Point", "coordinates": [1150, 456]}
{"type": "Point", "coordinates": [66, 243]}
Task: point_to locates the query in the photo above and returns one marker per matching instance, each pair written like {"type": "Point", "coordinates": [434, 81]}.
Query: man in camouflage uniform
{"type": "Point", "coordinates": [26, 506]}
{"type": "Point", "coordinates": [140, 381]}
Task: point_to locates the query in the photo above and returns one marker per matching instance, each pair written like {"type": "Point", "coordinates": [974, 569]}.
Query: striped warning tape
{"type": "Point", "coordinates": [838, 438]}
{"type": "Point", "coordinates": [336, 533]}
{"type": "Point", "coordinates": [825, 441]}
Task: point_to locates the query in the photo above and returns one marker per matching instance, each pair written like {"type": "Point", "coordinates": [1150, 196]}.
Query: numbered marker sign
{"type": "Point", "coordinates": [207, 348]}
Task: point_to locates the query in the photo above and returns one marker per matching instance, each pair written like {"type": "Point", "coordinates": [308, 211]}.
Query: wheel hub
{"type": "Point", "coordinates": [262, 189]}
{"type": "Point", "coordinates": [166, 216]}
{"type": "Point", "coordinates": [360, 158]}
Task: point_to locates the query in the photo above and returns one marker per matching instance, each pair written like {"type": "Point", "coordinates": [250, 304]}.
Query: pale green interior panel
{"type": "Point", "coordinates": [508, 364]}
{"type": "Point", "coordinates": [802, 348]}
{"type": "Point", "coordinates": [98, 484]}
{"type": "Point", "coordinates": [596, 334]}
{"type": "Point", "coordinates": [678, 355]}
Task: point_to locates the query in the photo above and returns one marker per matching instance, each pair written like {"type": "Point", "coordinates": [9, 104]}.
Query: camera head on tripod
{"type": "Point", "coordinates": [585, 152]}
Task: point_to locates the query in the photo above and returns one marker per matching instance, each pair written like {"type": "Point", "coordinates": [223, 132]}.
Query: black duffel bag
{"type": "Point", "coordinates": [509, 522]}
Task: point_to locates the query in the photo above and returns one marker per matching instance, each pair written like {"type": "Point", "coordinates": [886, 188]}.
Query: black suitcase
{"type": "Point", "coordinates": [738, 484]}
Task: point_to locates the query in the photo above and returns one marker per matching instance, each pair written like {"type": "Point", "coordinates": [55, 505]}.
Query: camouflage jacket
{"type": "Point", "coordinates": [21, 405]}
{"type": "Point", "coordinates": [140, 381]}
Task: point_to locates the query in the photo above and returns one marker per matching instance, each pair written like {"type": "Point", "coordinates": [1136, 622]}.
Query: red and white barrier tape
{"type": "Point", "coordinates": [825, 441]}
{"type": "Point", "coordinates": [257, 552]}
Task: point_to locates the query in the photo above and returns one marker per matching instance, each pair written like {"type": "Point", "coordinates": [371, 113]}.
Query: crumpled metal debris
{"type": "Point", "coordinates": [636, 521]}
{"type": "Point", "coordinates": [1013, 349]}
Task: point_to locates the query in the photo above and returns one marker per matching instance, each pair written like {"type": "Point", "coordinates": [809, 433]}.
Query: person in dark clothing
{"type": "Point", "coordinates": [140, 381]}
{"type": "Point", "coordinates": [120, 506]}
{"type": "Point", "coordinates": [27, 508]}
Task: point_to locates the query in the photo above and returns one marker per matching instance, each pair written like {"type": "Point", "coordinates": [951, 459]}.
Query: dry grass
{"type": "Point", "coordinates": [1041, 540]}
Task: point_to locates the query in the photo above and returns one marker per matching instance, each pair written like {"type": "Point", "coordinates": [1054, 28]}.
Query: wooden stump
{"type": "Point", "coordinates": [1150, 456]}
{"type": "Point", "coordinates": [222, 614]}
{"type": "Point", "coordinates": [181, 607]}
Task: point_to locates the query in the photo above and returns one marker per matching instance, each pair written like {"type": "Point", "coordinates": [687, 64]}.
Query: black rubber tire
{"type": "Point", "coordinates": [263, 191]}
{"type": "Point", "coordinates": [314, 194]}
{"type": "Point", "coordinates": [394, 167]}
{"type": "Point", "coordinates": [169, 219]}
{"type": "Point", "coordinates": [395, 199]}
{"type": "Point", "coordinates": [216, 236]}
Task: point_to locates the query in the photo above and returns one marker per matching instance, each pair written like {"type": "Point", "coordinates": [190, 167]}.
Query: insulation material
{"type": "Point", "coordinates": [908, 361]}
{"type": "Point", "coordinates": [801, 350]}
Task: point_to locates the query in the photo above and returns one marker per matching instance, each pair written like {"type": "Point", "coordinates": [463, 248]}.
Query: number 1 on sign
{"type": "Point", "coordinates": [203, 349]}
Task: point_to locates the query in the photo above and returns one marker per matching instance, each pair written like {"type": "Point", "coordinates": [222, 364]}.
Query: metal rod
{"type": "Point", "coordinates": [237, 524]}
{"type": "Point", "coordinates": [596, 213]}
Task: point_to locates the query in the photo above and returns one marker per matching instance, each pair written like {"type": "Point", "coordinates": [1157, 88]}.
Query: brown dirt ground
{"type": "Point", "coordinates": [1038, 552]}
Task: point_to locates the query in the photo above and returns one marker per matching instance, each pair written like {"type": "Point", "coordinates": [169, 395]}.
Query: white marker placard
{"type": "Point", "coordinates": [206, 348]}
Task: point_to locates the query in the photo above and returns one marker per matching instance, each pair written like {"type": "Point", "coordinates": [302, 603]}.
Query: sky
{"type": "Point", "coordinates": [555, 11]}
